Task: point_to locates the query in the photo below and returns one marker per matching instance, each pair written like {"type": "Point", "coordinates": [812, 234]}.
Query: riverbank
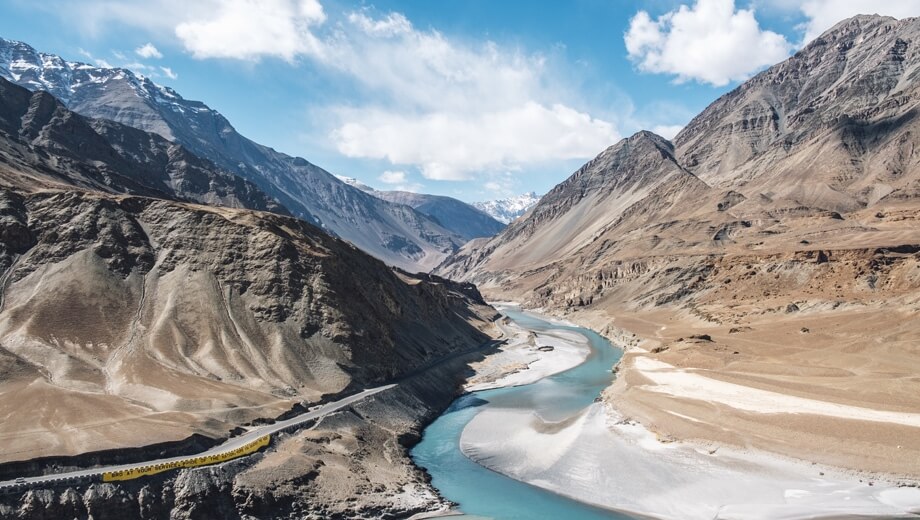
{"type": "Point", "coordinates": [611, 462]}
{"type": "Point", "coordinates": [527, 357]}
{"type": "Point", "coordinates": [600, 457]}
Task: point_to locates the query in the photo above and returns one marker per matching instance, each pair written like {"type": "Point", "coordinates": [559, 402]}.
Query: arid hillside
{"type": "Point", "coordinates": [774, 247]}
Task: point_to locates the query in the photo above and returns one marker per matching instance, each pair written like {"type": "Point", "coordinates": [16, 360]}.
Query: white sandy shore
{"type": "Point", "coordinates": [674, 381]}
{"type": "Point", "coordinates": [594, 459]}
{"type": "Point", "coordinates": [602, 460]}
{"type": "Point", "coordinates": [521, 362]}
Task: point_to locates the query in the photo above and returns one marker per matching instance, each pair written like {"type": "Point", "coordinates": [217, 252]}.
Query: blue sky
{"type": "Point", "coordinates": [474, 99]}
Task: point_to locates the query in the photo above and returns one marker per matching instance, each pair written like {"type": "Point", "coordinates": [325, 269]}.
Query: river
{"type": "Point", "coordinates": [482, 493]}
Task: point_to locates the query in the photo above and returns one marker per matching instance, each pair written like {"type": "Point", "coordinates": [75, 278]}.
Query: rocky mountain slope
{"type": "Point", "coordinates": [774, 246]}
{"type": "Point", "coordinates": [396, 234]}
{"type": "Point", "coordinates": [128, 321]}
{"type": "Point", "coordinates": [132, 316]}
{"type": "Point", "coordinates": [506, 210]}
{"type": "Point", "coordinates": [457, 216]}
{"type": "Point", "coordinates": [45, 144]}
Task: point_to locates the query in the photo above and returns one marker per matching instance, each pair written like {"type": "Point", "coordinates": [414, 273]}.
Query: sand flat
{"type": "Point", "coordinates": [621, 465]}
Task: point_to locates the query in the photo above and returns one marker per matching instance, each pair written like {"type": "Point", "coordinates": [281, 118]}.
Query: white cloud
{"type": "Point", "coordinates": [148, 51]}
{"type": "Point", "coordinates": [824, 14]}
{"type": "Point", "coordinates": [137, 66]}
{"type": "Point", "coordinates": [392, 177]}
{"type": "Point", "coordinates": [391, 25]}
{"type": "Point", "coordinates": [99, 62]}
{"type": "Point", "coordinates": [667, 131]}
{"type": "Point", "coordinates": [456, 145]}
{"type": "Point", "coordinates": [168, 72]}
{"type": "Point", "coordinates": [710, 41]}
{"type": "Point", "coordinates": [252, 29]}
{"type": "Point", "coordinates": [454, 109]}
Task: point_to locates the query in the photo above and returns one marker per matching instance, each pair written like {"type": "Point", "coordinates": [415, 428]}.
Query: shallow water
{"type": "Point", "coordinates": [484, 493]}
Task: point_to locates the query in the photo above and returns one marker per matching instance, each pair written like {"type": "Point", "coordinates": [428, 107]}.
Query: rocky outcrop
{"type": "Point", "coordinates": [133, 321]}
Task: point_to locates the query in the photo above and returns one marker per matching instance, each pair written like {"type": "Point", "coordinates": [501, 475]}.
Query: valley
{"type": "Point", "coordinates": [723, 323]}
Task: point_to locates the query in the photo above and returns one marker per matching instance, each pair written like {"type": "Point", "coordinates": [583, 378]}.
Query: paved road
{"type": "Point", "coordinates": [251, 435]}
{"type": "Point", "coordinates": [229, 445]}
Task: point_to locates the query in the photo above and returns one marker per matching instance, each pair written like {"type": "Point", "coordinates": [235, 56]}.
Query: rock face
{"type": "Point", "coordinates": [506, 210]}
{"type": "Point", "coordinates": [127, 321]}
{"type": "Point", "coordinates": [797, 190]}
{"type": "Point", "coordinates": [457, 216]}
{"type": "Point", "coordinates": [216, 315]}
{"type": "Point", "coordinates": [45, 144]}
{"type": "Point", "coordinates": [396, 234]}
{"type": "Point", "coordinates": [833, 127]}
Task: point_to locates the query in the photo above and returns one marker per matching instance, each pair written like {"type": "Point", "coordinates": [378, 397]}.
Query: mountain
{"type": "Point", "coordinates": [135, 320]}
{"type": "Point", "coordinates": [829, 128]}
{"type": "Point", "coordinates": [351, 181]}
{"type": "Point", "coordinates": [506, 210]}
{"type": "Point", "coordinates": [396, 234]}
{"type": "Point", "coordinates": [773, 246]}
{"type": "Point", "coordinates": [45, 144]}
{"type": "Point", "coordinates": [457, 216]}
{"type": "Point", "coordinates": [153, 303]}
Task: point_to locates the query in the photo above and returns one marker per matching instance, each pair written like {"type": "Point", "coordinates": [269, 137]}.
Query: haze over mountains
{"type": "Point", "coordinates": [394, 233]}
{"type": "Point", "coordinates": [781, 226]}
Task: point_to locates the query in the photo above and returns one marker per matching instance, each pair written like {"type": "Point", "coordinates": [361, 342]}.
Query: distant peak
{"type": "Point", "coordinates": [351, 181]}
{"type": "Point", "coordinates": [646, 135]}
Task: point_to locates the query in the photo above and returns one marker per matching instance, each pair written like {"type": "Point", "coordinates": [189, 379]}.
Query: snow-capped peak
{"type": "Point", "coordinates": [351, 181]}
{"type": "Point", "coordinates": [506, 210]}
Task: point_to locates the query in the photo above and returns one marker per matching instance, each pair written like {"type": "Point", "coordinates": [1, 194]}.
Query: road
{"type": "Point", "coordinates": [242, 440]}
{"type": "Point", "coordinates": [230, 445]}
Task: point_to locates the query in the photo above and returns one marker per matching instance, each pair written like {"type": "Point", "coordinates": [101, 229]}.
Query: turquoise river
{"type": "Point", "coordinates": [482, 493]}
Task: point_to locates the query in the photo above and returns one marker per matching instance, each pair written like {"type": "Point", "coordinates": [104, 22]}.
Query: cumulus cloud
{"type": "Point", "coordinates": [668, 131]}
{"type": "Point", "coordinates": [710, 42]}
{"type": "Point", "coordinates": [455, 109]}
{"type": "Point", "coordinates": [391, 25]}
{"type": "Point", "coordinates": [168, 72]}
{"type": "Point", "coordinates": [252, 29]}
{"type": "Point", "coordinates": [99, 62]}
{"type": "Point", "coordinates": [148, 51]}
{"type": "Point", "coordinates": [392, 177]}
{"type": "Point", "coordinates": [824, 14]}
{"type": "Point", "coordinates": [450, 107]}
{"type": "Point", "coordinates": [454, 146]}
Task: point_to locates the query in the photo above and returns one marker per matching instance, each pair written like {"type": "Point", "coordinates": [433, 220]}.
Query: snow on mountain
{"type": "Point", "coordinates": [506, 210]}
{"type": "Point", "coordinates": [394, 233]}
{"type": "Point", "coordinates": [351, 181]}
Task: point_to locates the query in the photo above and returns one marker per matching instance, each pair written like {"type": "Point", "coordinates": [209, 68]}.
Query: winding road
{"type": "Point", "coordinates": [228, 446]}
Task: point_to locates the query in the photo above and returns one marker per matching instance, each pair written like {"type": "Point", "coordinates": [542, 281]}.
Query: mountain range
{"type": "Point", "coordinates": [508, 209]}
{"type": "Point", "coordinates": [775, 244]}
{"type": "Point", "coordinates": [457, 216]}
{"type": "Point", "coordinates": [165, 283]}
{"type": "Point", "coordinates": [394, 233]}
{"type": "Point", "coordinates": [164, 279]}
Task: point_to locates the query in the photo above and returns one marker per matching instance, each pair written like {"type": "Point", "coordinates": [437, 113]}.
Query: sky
{"type": "Point", "coordinates": [474, 99]}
